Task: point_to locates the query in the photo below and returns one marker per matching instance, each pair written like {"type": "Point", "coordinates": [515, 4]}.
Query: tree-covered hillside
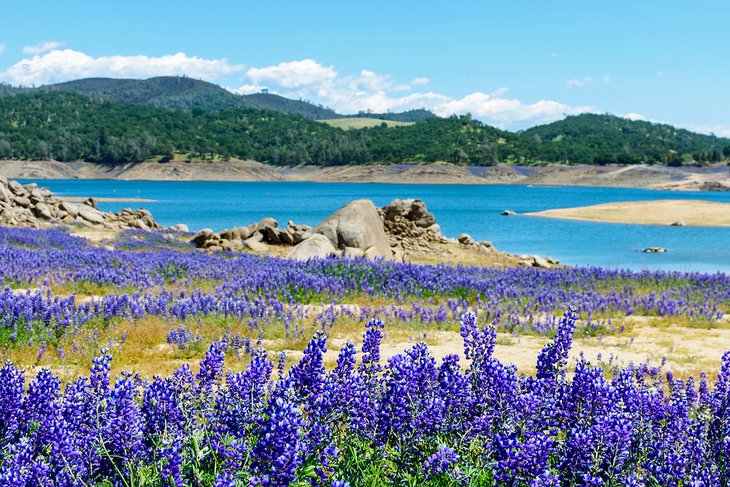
{"type": "Point", "coordinates": [67, 126]}
{"type": "Point", "coordinates": [161, 92]}
{"type": "Point", "coordinates": [606, 139]}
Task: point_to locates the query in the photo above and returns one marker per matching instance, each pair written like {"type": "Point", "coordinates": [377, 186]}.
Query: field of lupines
{"type": "Point", "coordinates": [277, 420]}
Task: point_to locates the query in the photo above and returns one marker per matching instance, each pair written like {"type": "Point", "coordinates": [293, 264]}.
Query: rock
{"type": "Point", "coordinates": [654, 250]}
{"type": "Point", "coordinates": [141, 224]}
{"type": "Point", "coordinates": [552, 261]}
{"type": "Point", "coordinates": [90, 202]}
{"type": "Point", "coordinates": [678, 223]}
{"type": "Point", "coordinates": [22, 201]}
{"type": "Point", "coordinates": [398, 255]}
{"type": "Point", "coordinates": [357, 225]}
{"type": "Point", "coordinates": [5, 194]}
{"type": "Point", "coordinates": [711, 186]}
{"type": "Point", "coordinates": [69, 208]}
{"type": "Point", "coordinates": [317, 246]}
{"type": "Point", "coordinates": [485, 250]}
{"type": "Point", "coordinates": [435, 229]}
{"type": "Point", "coordinates": [16, 188]}
{"type": "Point", "coordinates": [538, 261]}
{"type": "Point", "coordinates": [42, 211]}
{"type": "Point", "coordinates": [508, 213]}
{"type": "Point", "coordinates": [91, 216]}
{"type": "Point", "coordinates": [254, 243]}
{"type": "Point", "coordinates": [271, 234]}
{"type": "Point", "coordinates": [266, 222]}
{"type": "Point", "coordinates": [180, 227]}
{"type": "Point", "coordinates": [229, 234]}
{"type": "Point", "coordinates": [201, 237]}
{"type": "Point", "coordinates": [243, 232]}
{"type": "Point", "coordinates": [285, 237]}
{"type": "Point", "coordinates": [466, 239]}
{"type": "Point", "coordinates": [353, 253]}
{"type": "Point", "coordinates": [233, 245]}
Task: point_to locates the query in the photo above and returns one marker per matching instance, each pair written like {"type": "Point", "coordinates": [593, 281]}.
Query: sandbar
{"type": "Point", "coordinates": [695, 213]}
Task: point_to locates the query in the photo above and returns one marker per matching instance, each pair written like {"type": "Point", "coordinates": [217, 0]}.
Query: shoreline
{"type": "Point", "coordinates": [709, 178]}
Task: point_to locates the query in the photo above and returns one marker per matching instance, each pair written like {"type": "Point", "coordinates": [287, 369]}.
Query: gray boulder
{"type": "Point", "coordinates": [508, 213]}
{"type": "Point", "coordinates": [70, 208]}
{"type": "Point", "coordinates": [42, 211]}
{"type": "Point", "coordinates": [254, 243]}
{"type": "Point", "coordinates": [22, 201]}
{"type": "Point", "coordinates": [466, 239]}
{"type": "Point", "coordinates": [317, 246]}
{"type": "Point", "coordinates": [233, 245]}
{"type": "Point", "coordinates": [91, 215]}
{"type": "Point", "coordinates": [357, 225]}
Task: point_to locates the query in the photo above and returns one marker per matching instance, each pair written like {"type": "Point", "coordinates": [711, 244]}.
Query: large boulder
{"type": "Point", "coordinates": [201, 237]}
{"type": "Point", "coordinates": [317, 246]}
{"type": "Point", "coordinates": [91, 215]}
{"type": "Point", "coordinates": [357, 225]}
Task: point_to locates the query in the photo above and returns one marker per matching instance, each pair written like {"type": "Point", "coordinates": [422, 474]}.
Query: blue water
{"type": "Point", "coordinates": [458, 208]}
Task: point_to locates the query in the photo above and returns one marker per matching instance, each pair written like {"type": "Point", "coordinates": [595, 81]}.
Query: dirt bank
{"type": "Point", "coordinates": [639, 176]}
{"type": "Point", "coordinates": [659, 212]}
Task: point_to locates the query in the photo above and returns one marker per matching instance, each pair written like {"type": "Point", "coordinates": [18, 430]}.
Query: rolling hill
{"type": "Point", "coordinates": [118, 121]}
{"type": "Point", "coordinates": [606, 139]}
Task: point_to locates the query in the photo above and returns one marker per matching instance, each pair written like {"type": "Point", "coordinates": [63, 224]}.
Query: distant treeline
{"type": "Point", "coordinates": [68, 127]}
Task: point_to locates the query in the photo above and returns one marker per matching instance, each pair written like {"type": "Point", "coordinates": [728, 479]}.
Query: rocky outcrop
{"type": "Point", "coordinates": [714, 186]}
{"type": "Point", "coordinates": [255, 237]}
{"type": "Point", "coordinates": [357, 226]}
{"type": "Point", "coordinates": [402, 229]}
{"type": "Point", "coordinates": [30, 206]}
{"type": "Point", "coordinates": [410, 226]}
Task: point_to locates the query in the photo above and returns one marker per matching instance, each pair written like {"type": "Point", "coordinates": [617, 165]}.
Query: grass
{"type": "Point", "coordinates": [362, 122]}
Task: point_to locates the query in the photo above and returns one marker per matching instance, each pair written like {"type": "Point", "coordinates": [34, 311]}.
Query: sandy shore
{"type": "Point", "coordinates": [714, 178]}
{"type": "Point", "coordinates": [659, 212]}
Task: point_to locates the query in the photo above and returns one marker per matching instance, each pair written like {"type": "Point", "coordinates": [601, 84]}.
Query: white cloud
{"type": "Point", "coordinates": [719, 130]}
{"type": "Point", "coordinates": [368, 90]}
{"type": "Point", "coordinates": [635, 116]}
{"type": "Point", "coordinates": [2, 48]}
{"type": "Point", "coordinates": [578, 82]}
{"type": "Point", "coordinates": [292, 74]}
{"type": "Point", "coordinates": [606, 79]}
{"type": "Point", "coordinates": [67, 64]}
{"type": "Point", "coordinates": [42, 48]}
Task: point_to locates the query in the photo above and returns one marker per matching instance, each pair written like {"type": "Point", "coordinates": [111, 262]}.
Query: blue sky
{"type": "Point", "coordinates": [512, 64]}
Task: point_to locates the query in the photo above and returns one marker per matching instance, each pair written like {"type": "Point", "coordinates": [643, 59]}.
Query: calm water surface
{"type": "Point", "coordinates": [458, 208]}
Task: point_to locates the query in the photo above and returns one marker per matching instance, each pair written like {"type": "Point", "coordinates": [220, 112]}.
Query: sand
{"type": "Point", "coordinates": [658, 212]}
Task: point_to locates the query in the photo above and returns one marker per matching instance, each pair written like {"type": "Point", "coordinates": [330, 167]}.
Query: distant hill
{"type": "Point", "coordinates": [61, 124]}
{"type": "Point", "coordinates": [188, 94]}
{"type": "Point", "coordinates": [171, 92]}
{"type": "Point", "coordinates": [268, 101]}
{"type": "Point", "coordinates": [607, 139]}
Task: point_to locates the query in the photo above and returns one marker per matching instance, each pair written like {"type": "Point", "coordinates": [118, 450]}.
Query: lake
{"type": "Point", "coordinates": [458, 208]}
